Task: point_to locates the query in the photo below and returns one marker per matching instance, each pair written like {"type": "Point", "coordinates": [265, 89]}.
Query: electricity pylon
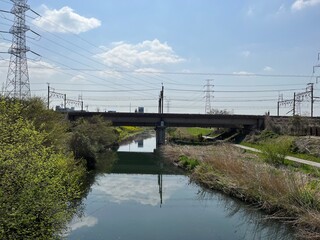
{"type": "Point", "coordinates": [17, 84]}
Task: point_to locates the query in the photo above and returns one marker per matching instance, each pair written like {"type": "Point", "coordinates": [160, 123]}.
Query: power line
{"type": "Point", "coordinates": [84, 49]}
{"type": "Point", "coordinates": [234, 91]}
{"type": "Point", "coordinates": [126, 90]}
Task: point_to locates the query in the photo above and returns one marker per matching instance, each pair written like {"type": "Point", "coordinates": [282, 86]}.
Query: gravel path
{"type": "Point", "coordinates": [294, 159]}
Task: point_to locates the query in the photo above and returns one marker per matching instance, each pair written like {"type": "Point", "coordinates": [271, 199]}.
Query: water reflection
{"type": "Point", "coordinates": [141, 189]}
{"type": "Point", "coordinates": [142, 144]}
{"type": "Point", "coordinates": [86, 221]}
{"type": "Point", "coordinates": [262, 226]}
{"type": "Point", "coordinates": [137, 196]}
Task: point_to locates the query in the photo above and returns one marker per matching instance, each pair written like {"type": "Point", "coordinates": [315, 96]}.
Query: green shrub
{"type": "Point", "coordinates": [90, 137]}
{"type": "Point", "coordinates": [275, 151]}
{"type": "Point", "coordinates": [267, 134]}
{"type": "Point", "coordinates": [38, 185]}
{"type": "Point", "coordinates": [188, 163]}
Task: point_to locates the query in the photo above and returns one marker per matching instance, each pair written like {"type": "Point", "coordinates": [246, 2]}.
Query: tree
{"type": "Point", "coordinates": [37, 184]}
{"type": "Point", "coordinates": [90, 137]}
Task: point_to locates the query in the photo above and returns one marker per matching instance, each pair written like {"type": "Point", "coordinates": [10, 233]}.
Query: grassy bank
{"type": "Point", "coordinates": [126, 132]}
{"type": "Point", "coordinates": [290, 196]}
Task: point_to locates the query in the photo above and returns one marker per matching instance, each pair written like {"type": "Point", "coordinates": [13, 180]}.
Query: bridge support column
{"type": "Point", "coordinates": [161, 134]}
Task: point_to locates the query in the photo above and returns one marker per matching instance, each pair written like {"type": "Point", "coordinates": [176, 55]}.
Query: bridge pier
{"type": "Point", "coordinates": [161, 134]}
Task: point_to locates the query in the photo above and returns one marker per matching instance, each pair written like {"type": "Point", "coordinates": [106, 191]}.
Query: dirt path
{"type": "Point", "coordinates": [294, 159]}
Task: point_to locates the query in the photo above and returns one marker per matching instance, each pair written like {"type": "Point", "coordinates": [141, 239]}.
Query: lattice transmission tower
{"type": "Point", "coordinates": [17, 83]}
{"type": "Point", "coordinates": [208, 95]}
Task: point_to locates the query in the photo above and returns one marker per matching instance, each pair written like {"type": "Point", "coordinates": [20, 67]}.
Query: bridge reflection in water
{"type": "Point", "coordinates": [131, 186]}
{"type": "Point", "coordinates": [143, 164]}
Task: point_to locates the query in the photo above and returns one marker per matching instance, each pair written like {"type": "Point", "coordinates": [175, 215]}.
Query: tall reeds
{"type": "Point", "coordinates": [290, 196]}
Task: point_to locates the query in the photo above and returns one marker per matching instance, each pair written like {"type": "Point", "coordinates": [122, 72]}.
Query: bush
{"type": "Point", "coordinates": [90, 137]}
{"type": "Point", "coordinates": [275, 151]}
{"type": "Point", "coordinates": [37, 184]}
{"type": "Point", "coordinates": [188, 163]}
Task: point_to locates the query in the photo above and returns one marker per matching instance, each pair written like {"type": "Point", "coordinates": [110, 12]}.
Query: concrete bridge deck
{"type": "Point", "coordinates": [175, 120]}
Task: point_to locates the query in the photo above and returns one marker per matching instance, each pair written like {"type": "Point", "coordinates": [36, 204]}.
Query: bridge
{"type": "Point", "coordinates": [160, 121]}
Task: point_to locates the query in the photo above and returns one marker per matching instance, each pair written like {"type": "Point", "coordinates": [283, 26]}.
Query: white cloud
{"type": "Point", "coordinates": [40, 70]}
{"type": "Point", "coordinates": [144, 54]}
{"type": "Point", "coordinates": [147, 71]}
{"type": "Point", "coordinates": [242, 73]}
{"type": "Point", "coordinates": [87, 221]}
{"type": "Point", "coordinates": [301, 4]}
{"type": "Point", "coordinates": [246, 53]}
{"type": "Point", "coordinates": [142, 189]}
{"type": "Point", "coordinates": [65, 20]}
{"type": "Point", "coordinates": [110, 74]}
{"type": "Point", "coordinates": [78, 78]}
{"type": "Point", "coordinates": [267, 69]}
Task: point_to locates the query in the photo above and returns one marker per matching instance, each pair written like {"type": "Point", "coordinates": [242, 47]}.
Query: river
{"type": "Point", "coordinates": [134, 195]}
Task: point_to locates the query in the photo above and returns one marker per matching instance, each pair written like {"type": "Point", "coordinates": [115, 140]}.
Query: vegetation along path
{"type": "Point", "coordinates": [294, 159]}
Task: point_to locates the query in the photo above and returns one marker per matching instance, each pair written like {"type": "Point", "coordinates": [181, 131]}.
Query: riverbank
{"type": "Point", "coordinates": [287, 195]}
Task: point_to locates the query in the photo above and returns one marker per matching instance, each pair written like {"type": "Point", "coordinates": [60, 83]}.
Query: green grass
{"type": "Point", "coordinates": [188, 133]}
{"type": "Point", "coordinates": [127, 131]}
{"type": "Point", "coordinates": [188, 163]}
{"type": "Point", "coordinates": [199, 131]}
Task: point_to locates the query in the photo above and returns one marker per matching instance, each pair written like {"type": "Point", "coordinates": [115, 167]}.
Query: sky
{"type": "Point", "coordinates": [118, 54]}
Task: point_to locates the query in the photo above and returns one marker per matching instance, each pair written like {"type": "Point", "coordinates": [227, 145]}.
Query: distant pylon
{"type": "Point", "coordinates": [208, 95]}
{"type": "Point", "coordinates": [17, 84]}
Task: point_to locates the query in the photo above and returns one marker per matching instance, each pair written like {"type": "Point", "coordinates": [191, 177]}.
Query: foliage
{"type": "Point", "coordinates": [55, 124]}
{"type": "Point", "coordinates": [275, 151]}
{"type": "Point", "coordinates": [90, 137]}
{"type": "Point", "coordinates": [267, 134]}
{"type": "Point", "coordinates": [188, 163]}
{"type": "Point", "coordinates": [124, 132]}
{"type": "Point", "coordinates": [37, 183]}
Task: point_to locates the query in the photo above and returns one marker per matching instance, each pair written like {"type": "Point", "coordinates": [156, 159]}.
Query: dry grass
{"type": "Point", "coordinates": [287, 195]}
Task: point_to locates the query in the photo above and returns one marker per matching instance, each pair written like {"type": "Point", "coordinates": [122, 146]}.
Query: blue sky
{"type": "Point", "coordinates": [121, 47]}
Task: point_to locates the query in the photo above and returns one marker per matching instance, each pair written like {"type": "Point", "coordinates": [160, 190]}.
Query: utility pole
{"type": "Point", "coordinates": [80, 100]}
{"type": "Point", "coordinates": [298, 98]}
{"type": "Point", "coordinates": [294, 104]}
{"type": "Point", "coordinates": [48, 103]}
{"type": "Point", "coordinates": [307, 94]}
{"type": "Point", "coordinates": [289, 102]}
{"type": "Point", "coordinates": [311, 97]}
{"type": "Point", "coordinates": [168, 105]}
{"type": "Point", "coordinates": [17, 83]}
{"type": "Point", "coordinates": [208, 92]}
{"type": "Point", "coordinates": [161, 103]}
{"type": "Point", "coordinates": [65, 101]}
{"type": "Point", "coordinates": [280, 99]}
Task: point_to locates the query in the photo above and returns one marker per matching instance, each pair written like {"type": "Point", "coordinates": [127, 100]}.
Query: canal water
{"type": "Point", "coordinates": [134, 195]}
